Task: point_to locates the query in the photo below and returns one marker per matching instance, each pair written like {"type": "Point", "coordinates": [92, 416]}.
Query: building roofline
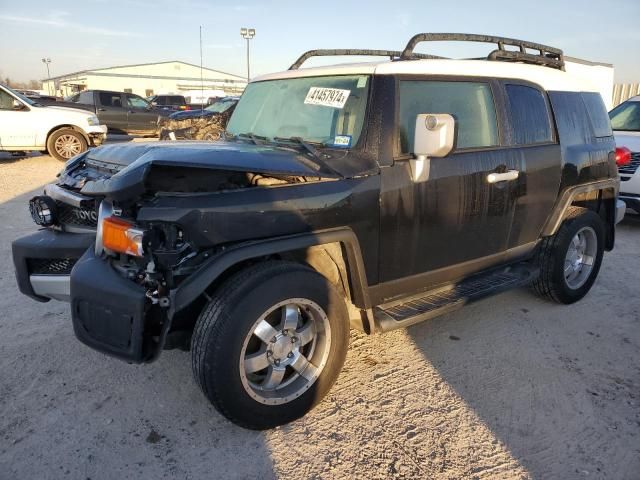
{"type": "Point", "coordinates": [141, 65]}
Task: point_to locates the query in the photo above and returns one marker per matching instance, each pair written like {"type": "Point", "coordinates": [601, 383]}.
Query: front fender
{"type": "Point", "coordinates": [210, 270]}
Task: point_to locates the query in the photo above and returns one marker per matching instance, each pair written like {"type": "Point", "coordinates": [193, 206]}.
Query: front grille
{"type": "Point", "coordinates": [633, 166]}
{"type": "Point", "coordinates": [81, 217]}
{"type": "Point", "coordinates": [51, 266]}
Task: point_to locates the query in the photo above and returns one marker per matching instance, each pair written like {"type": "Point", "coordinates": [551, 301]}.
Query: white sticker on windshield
{"type": "Point", "coordinates": [362, 81]}
{"type": "Point", "coordinates": [327, 97]}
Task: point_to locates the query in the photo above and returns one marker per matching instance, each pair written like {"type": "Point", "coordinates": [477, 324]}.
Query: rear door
{"type": "Point", "coordinates": [111, 111]}
{"type": "Point", "coordinates": [142, 116]}
{"type": "Point", "coordinates": [531, 139]}
{"type": "Point", "coordinates": [456, 221]}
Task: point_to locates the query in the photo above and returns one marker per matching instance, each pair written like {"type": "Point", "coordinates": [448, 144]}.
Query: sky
{"type": "Point", "coordinates": [103, 33]}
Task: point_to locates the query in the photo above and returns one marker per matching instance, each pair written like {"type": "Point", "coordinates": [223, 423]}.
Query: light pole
{"type": "Point", "coordinates": [47, 61]}
{"type": "Point", "coordinates": [248, 34]}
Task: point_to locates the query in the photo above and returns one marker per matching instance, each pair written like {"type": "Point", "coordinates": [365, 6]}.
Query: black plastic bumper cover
{"type": "Point", "coordinates": [108, 311]}
{"type": "Point", "coordinates": [45, 244]}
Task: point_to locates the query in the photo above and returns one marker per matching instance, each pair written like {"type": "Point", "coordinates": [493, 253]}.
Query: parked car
{"type": "Point", "coordinates": [201, 124]}
{"type": "Point", "coordinates": [371, 196]}
{"type": "Point", "coordinates": [120, 112]}
{"type": "Point", "coordinates": [625, 121]}
{"type": "Point", "coordinates": [26, 126]}
{"type": "Point", "coordinates": [169, 102]}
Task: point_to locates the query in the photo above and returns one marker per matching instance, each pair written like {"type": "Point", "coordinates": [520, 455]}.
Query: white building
{"type": "Point", "coordinates": [147, 79]}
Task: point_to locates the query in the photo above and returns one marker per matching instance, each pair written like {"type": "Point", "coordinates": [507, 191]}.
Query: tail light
{"type": "Point", "coordinates": [121, 236]}
{"type": "Point", "coordinates": [623, 156]}
{"type": "Point", "coordinates": [185, 107]}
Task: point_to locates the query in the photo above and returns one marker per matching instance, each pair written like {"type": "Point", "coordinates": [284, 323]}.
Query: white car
{"type": "Point", "coordinates": [26, 126]}
{"type": "Point", "coordinates": [625, 121]}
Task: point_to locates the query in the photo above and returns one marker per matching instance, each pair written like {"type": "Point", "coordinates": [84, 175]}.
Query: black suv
{"type": "Point", "coordinates": [370, 196]}
{"type": "Point", "coordinates": [169, 102]}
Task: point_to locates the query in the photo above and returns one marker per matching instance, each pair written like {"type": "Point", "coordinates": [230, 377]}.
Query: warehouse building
{"type": "Point", "coordinates": [148, 79]}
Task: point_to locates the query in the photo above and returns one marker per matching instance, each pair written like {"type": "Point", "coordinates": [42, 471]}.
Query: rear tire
{"type": "Point", "coordinates": [569, 261]}
{"type": "Point", "coordinates": [270, 344]}
{"type": "Point", "coordinates": [65, 143]}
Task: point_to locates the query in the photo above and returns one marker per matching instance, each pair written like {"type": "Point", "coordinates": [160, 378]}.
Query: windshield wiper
{"type": "Point", "coordinates": [256, 139]}
{"type": "Point", "coordinates": [317, 156]}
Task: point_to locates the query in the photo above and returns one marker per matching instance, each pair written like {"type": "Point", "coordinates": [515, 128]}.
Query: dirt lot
{"type": "Point", "coordinates": [512, 387]}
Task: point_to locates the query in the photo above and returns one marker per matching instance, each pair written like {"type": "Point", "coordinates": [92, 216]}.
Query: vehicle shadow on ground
{"type": "Point", "coordinates": [68, 410]}
{"type": "Point", "coordinates": [538, 376]}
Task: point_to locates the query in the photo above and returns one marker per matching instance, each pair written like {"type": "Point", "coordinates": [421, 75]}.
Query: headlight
{"type": "Point", "coordinates": [117, 235]}
{"type": "Point", "coordinates": [121, 236]}
{"type": "Point", "coordinates": [93, 121]}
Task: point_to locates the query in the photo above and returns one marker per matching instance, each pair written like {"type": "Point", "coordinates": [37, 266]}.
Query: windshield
{"type": "Point", "coordinates": [626, 117]}
{"type": "Point", "coordinates": [220, 106]}
{"type": "Point", "coordinates": [26, 100]}
{"type": "Point", "coordinates": [326, 110]}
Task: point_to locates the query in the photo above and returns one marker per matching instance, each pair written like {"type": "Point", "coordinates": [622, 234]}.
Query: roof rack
{"type": "Point", "coordinates": [392, 54]}
{"type": "Point", "coordinates": [547, 56]}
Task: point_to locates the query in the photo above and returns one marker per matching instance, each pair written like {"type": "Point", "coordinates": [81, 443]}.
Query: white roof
{"type": "Point", "coordinates": [548, 78]}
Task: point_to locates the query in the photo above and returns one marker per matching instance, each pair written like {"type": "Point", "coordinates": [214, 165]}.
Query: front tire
{"type": "Point", "coordinates": [569, 261]}
{"type": "Point", "coordinates": [65, 143]}
{"type": "Point", "coordinates": [270, 344]}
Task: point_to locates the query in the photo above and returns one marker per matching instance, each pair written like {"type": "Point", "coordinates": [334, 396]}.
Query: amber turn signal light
{"type": "Point", "coordinates": [121, 236]}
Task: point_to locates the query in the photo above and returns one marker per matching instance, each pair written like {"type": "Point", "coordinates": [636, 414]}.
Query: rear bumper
{"type": "Point", "coordinates": [621, 208]}
{"type": "Point", "coordinates": [43, 262]}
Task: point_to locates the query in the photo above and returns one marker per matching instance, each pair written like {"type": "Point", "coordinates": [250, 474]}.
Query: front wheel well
{"type": "Point", "coordinates": [75, 128]}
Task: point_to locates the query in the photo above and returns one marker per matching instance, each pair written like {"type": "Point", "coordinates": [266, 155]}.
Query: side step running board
{"type": "Point", "coordinates": [409, 311]}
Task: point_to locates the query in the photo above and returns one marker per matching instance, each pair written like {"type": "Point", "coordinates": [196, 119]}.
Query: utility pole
{"type": "Point", "coordinates": [248, 34]}
{"type": "Point", "coordinates": [47, 61]}
{"type": "Point", "coordinates": [201, 77]}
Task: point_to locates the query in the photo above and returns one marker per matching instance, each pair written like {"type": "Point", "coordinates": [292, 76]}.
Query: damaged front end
{"type": "Point", "coordinates": [163, 216]}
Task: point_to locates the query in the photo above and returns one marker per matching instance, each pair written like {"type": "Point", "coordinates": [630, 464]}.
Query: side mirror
{"type": "Point", "coordinates": [154, 104]}
{"type": "Point", "coordinates": [434, 137]}
{"type": "Point", "coordinates": [17, 105]}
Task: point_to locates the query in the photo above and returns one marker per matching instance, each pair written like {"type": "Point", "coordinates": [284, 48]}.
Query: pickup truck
{"type": "Point", "coordinates": [26, 125]}
{"type": "Point", "coordinates": [120, 112]}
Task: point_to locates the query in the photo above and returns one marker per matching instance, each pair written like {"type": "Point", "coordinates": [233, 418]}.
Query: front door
{"type": "Point", "coordinates": [111, 110]}
{"type": "Point", "coordinates": [457, 220]}
{"type": "Point", "coordinates": [142, 117]}
{"type": "Point", "coordinates": [16, 125]}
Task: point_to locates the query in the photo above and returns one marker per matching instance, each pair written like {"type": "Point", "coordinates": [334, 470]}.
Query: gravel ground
{"type": "Point", "coordinates": [512, 387]}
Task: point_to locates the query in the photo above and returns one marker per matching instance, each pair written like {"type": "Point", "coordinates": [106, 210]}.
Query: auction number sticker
{"type": "Point", "coordinates": [327, 97]}
{"type": "Point", "coordinates": [342, 141]}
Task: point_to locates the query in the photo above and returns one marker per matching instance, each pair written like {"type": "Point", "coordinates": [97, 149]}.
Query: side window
{"type": "Point", "coordinates": [110, 99]}
{"type": "Point", "coordinates": [136, 102]}
{"type": "Point", "coordinates": [75, 98]}
{"type": "Point", "coordinates": [597, 114]}
{"type": "Point", "coordinates": [6, 101]}
{"type": "Point", "coordinates": [530, 121]}
{"type": "Point", "coordinates": [471, 103]}
{"type": "Point", "coordinates": [85, 98]}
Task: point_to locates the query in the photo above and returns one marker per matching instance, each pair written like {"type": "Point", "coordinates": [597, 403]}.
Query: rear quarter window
{"type": "Point", "coordinates": [597, 114]}
{"type": "Point", "coordinates": [529, 115]}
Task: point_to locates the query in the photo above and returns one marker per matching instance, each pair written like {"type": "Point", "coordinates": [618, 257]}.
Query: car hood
{"type": "Point", "coordinates": [631, 140]}
{"type": "Point", "coordinates": [186, 114]}
{"type": "Point", "coordinates": [67, 110]}
{"type": "Point", "coordinates": [134, 161]}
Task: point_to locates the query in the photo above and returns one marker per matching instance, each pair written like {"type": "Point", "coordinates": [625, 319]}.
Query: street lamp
{"type": "Point", "coordinates": [248, 34]}
{"type": "Point", "coordinates": [47, 61]}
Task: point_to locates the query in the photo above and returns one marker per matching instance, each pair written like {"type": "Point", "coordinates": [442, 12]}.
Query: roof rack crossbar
{"type": "Point", "coordinates": [392, 54]}
{"type": "Point", "coordinates": [547, 56]}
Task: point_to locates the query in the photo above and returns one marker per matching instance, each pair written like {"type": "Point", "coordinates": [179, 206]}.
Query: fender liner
{"type": "Point", "coordinates": [559, 211]}
{"type": "Point", "coordinates": [211, 269]}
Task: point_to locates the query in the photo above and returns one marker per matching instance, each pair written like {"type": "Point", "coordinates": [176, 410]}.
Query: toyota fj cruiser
{"type": "Point", "coordinates": [370, 195]}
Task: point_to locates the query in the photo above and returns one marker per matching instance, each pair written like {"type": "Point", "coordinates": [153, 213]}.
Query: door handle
{"type": "Point", "coordinates": [503, 177]}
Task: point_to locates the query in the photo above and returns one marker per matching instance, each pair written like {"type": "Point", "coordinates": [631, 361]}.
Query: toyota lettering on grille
{"type": "Point", "coordinates": [86, 214]}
